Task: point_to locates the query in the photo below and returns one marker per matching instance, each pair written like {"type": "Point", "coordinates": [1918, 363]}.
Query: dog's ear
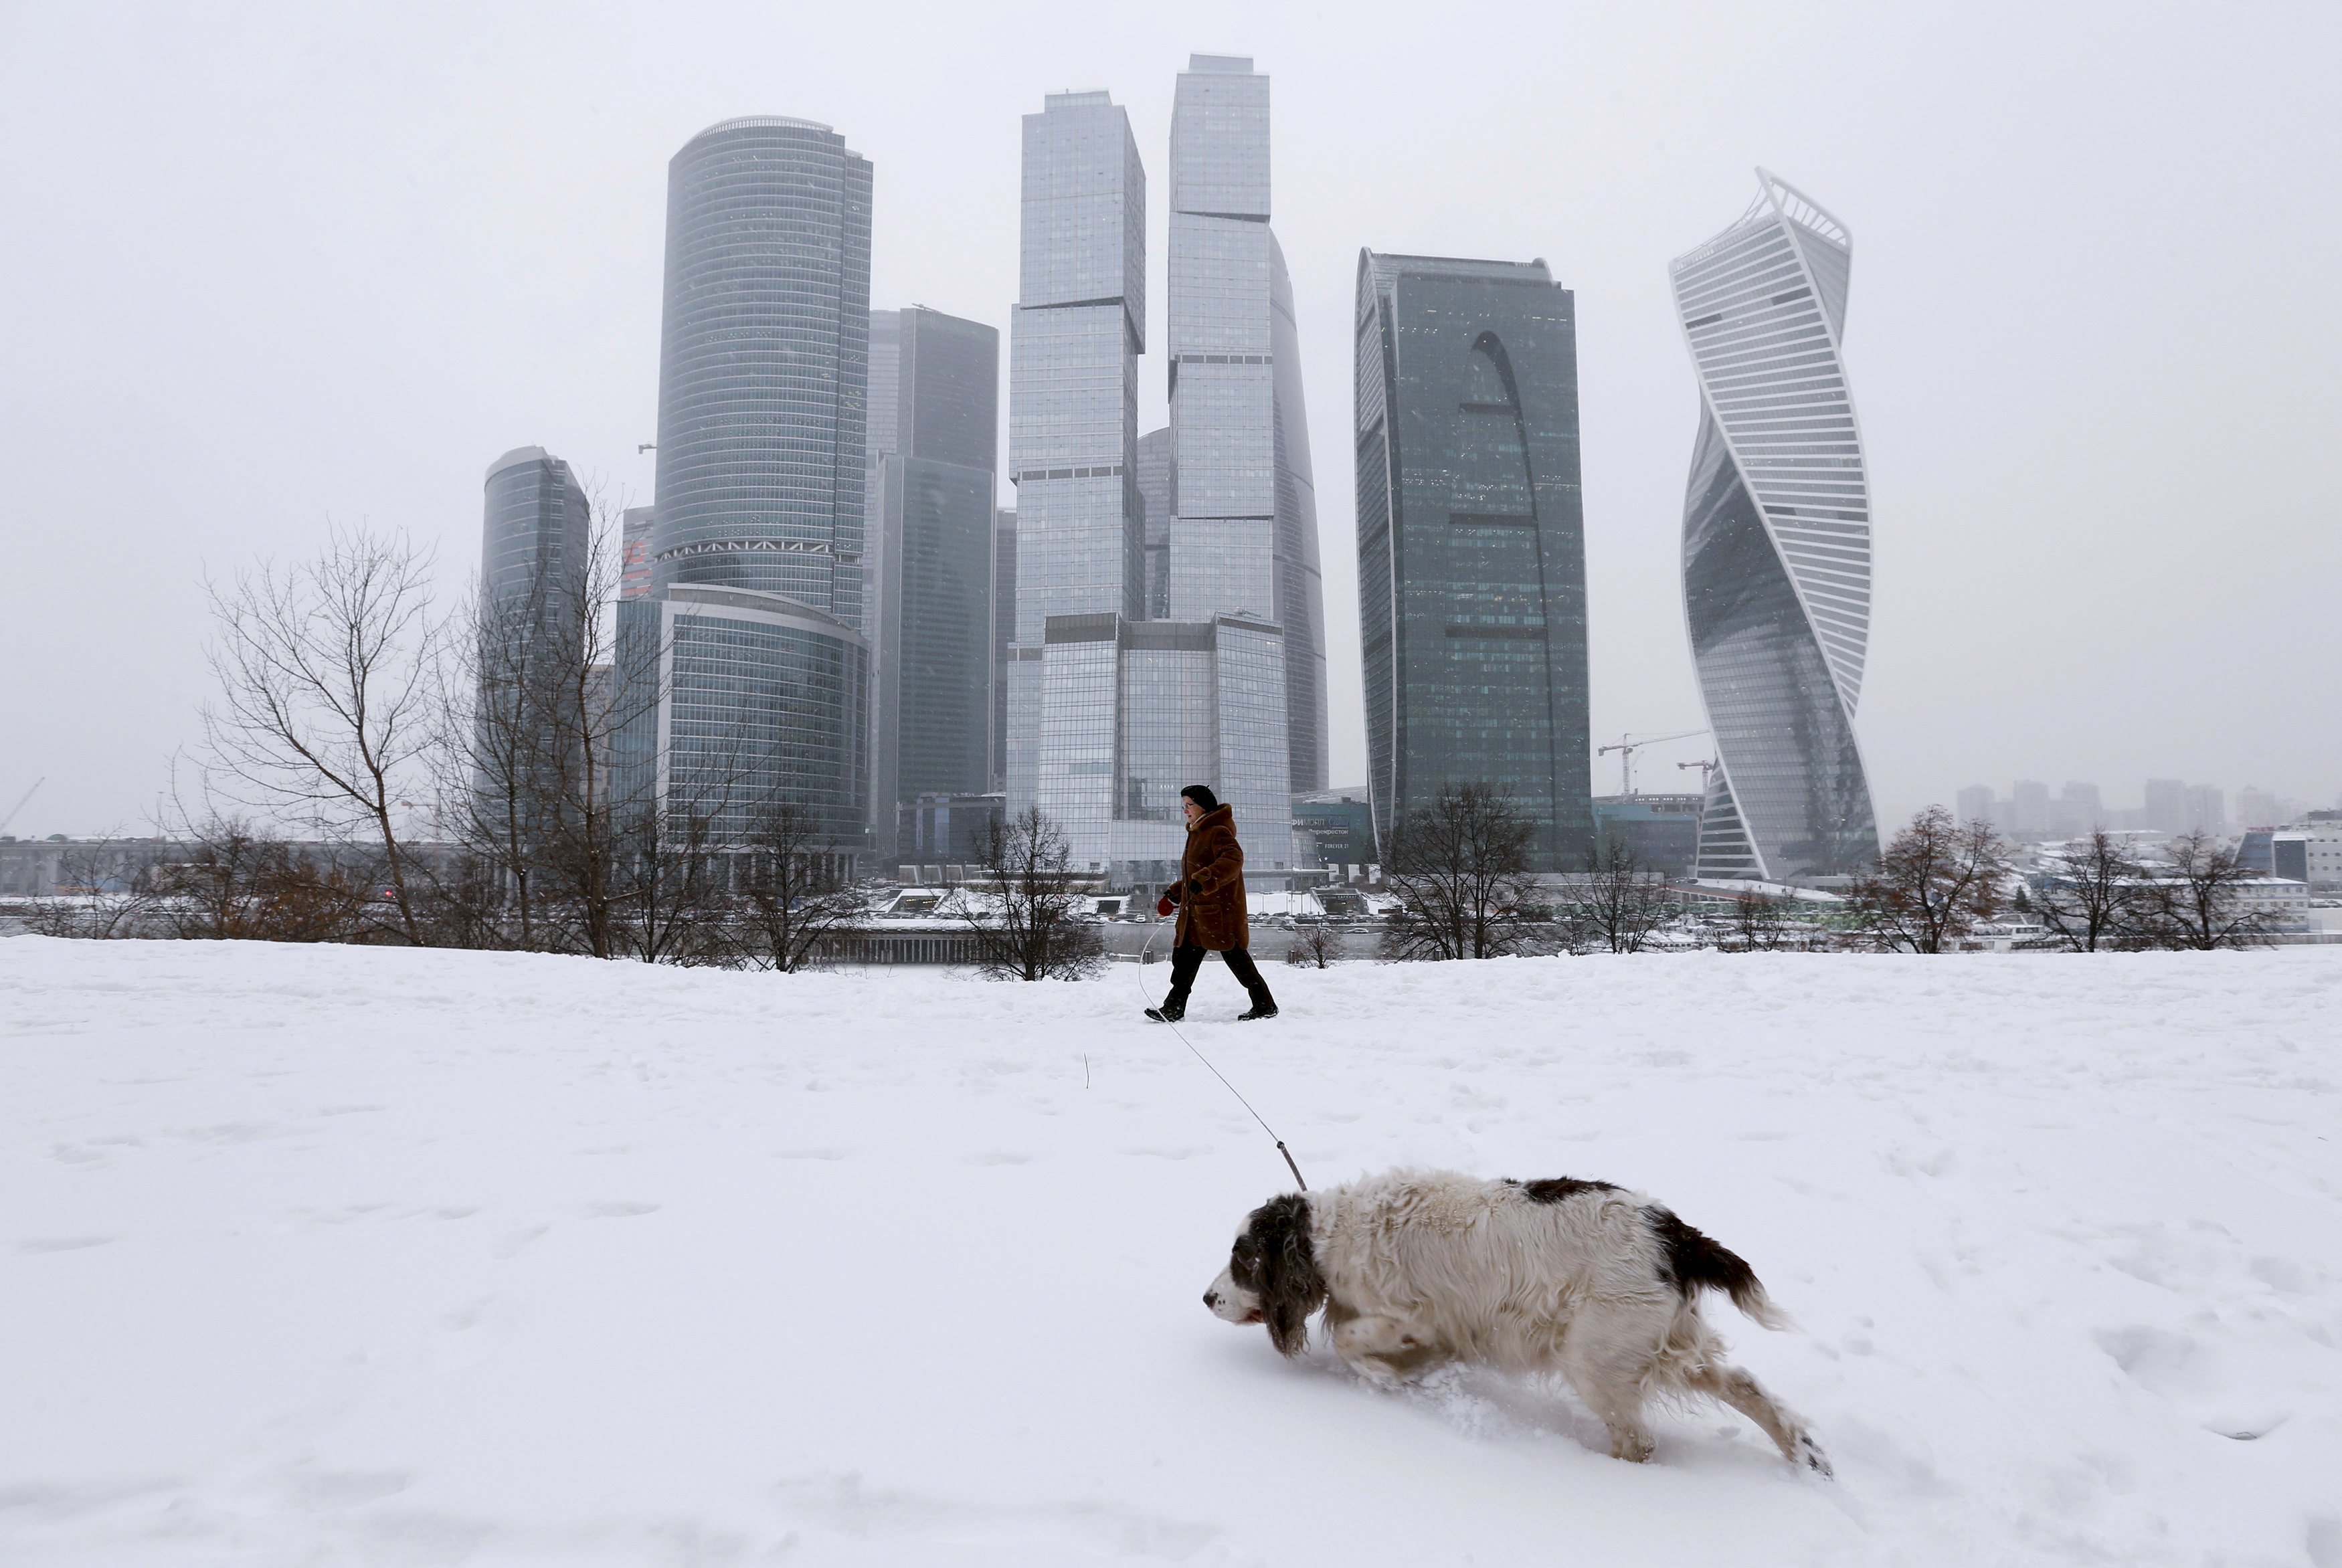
{"type": "Point", "coordinates": [1291, 1288]}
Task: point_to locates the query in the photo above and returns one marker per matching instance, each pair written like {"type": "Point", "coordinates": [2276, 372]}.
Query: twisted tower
{"type": "Point", "coordinates": [1777, 543]}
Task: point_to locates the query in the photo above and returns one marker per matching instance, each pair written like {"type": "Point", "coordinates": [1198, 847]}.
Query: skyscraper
{"type": "Point", "coordinates": [1777, 543]}
{"type": "Point", "coordinates": [1111, 712]}
{"type": "Point", "coordinates": [934, 429]}
{"type": "Point", "coordinates": [535, 570]}
{"type": "Point", "coordinates": [756, 546]}
{"type": "Point", "coordinates": [1471, 541]}
{"type": "Point", "coordinates": [1244, 536]}
{"type": "Point", "coordinates": [537, 533]}
{"type": "Point", "coordinates": [1074, 338]}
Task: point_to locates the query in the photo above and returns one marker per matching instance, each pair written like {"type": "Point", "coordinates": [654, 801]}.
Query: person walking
{"type": "Point", "coordinates": [1210, 898]}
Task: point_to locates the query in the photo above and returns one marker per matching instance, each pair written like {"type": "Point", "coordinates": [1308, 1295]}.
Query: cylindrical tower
{"type": "Point", "coordinates": [752, 663]}
{"type": "Point", "coordinates": [764, 364]}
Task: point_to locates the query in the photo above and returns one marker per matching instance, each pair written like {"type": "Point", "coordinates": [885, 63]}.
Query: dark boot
{"type": "Point", "coordinates": [1247, 974]}
{"type": "Point", "coordinates": [1184, 962]}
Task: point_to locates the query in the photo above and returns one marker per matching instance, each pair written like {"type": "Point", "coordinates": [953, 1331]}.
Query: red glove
{"type": "Point", "coordinates": [1164, 906]}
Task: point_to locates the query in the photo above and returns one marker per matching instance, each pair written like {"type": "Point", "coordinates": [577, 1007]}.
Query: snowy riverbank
{"type": "Point", "coordinates": [324, 1255]}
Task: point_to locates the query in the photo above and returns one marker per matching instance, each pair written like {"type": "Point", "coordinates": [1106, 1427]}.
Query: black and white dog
{"type": "Point", "coordinates": [1414, 1268]}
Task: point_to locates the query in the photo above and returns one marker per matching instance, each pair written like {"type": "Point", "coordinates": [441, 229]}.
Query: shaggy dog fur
{"type": "Point", "coordinates": [1414, 1268]}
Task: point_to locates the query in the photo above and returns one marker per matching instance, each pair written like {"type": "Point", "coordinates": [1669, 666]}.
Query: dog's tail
{"type": "Point", "coordinates": [1695, 1261]}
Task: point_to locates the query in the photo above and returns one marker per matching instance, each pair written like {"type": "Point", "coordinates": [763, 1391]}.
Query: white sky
{"type": "Point", "coordinates": [265, 266]}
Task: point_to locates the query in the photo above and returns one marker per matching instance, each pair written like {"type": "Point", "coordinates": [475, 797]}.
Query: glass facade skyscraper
{"type": "Point", "coordinates": [1777, 543]}
{"type": "Point", "coordinates": [764, 372]}
{"type": "Point", "coordinates": [935, 428]}
{"type": "Point", "coordinates": [538, 531]}
{"type": "Point", "coordinates": [1074, 338]}
{"type": "Point", "coordinates": [1243, 535]}
{"type": "Point", "coordinates": [1471, 541]}
{"type": "Point", "coordinates": [1112, 712]}
{"type": "Point", "coordinates": [535, 541]}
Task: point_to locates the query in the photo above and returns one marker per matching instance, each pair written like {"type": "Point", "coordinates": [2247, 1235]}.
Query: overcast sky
{"type": "Point", "coordinates": [262, 266]}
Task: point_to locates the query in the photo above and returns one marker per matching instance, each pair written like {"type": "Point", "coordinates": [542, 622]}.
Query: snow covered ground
{"type": "Point", "coordinates": [325, 1255]}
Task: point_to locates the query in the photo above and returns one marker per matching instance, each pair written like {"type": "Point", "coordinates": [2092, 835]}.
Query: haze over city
{"type": "Point", "coordinates": [277, 267]}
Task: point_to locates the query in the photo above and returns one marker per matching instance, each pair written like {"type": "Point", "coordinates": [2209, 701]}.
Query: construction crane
{"type": "Point", "coordinates": [1627, 746]}
{"type": "Point", "coordinates": [1705, 768]}
{"type": "Point", "coordinates": [21, 799]}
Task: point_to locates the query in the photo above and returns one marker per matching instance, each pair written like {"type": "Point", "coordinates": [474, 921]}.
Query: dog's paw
{"type": "Point", "coordinates": [1634, 1447]}
{"type": "Point", "coordinates": [1810, 1455]}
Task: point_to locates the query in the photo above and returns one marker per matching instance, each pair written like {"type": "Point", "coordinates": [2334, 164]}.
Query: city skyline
{"type": "Point", "coordinates": [505, 302]}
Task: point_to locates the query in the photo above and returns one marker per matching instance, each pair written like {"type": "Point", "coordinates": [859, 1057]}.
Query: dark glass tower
{"type": "Point", "coordinates": [1471, 541]}
{"type": "Point", "coordinates": [534, 572]}
{"type": "Point", "coordinates": [764, 372]}
{"type": "Point", "coordinates": [1776, 544]}
{"type": "Point", "coordinates": [935, 427]}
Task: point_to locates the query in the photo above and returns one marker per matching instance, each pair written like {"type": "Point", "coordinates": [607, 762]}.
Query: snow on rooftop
{"type": "Point", "coordinates": [331, 1255]}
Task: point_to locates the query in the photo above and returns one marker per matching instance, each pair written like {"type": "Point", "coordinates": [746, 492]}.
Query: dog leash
{"type": "Point", "coordinates": [1206, 1061]}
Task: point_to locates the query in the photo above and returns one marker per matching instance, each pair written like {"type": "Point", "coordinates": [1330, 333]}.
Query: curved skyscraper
{"type": "Point", "coordinates": [1777, 543]}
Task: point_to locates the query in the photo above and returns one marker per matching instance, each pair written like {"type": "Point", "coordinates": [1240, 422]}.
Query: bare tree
{"type": "Point", "coordinates": [104, 889]}
{"type": "Point", "coordinates": [2090, 899]}
{"type": "Point", "coordinates": [325, 704]}
{"type": "Point", "coordinates": [1025, 915]}
{"type": "Point", "coordinates": [1933, 883]}
{"type": "Point", "coordinates": [1460, 870]}
{"type": "Point", "coordinates": [537, 706]}
{"type": "Point", "coordinates": [794, 889]}
{"type": "Point", "coordinates": [667, 906]}
{"type": "Point", "coordinates": [2196, 902]}
{"type": "Point", "coordinates": [1619, 903]}
{"type": "Point", "coordinates": [1759, 926]}
{"type": "Point", "coordinates": [239, 882]}
{"type": "Point", "coordinates": [1314, 946]}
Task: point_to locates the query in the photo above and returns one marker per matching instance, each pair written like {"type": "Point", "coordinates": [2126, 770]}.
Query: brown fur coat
{"type": "Point", "coordinates": [1211, 882]}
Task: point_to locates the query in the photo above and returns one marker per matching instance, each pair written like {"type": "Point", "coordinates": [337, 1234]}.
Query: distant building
{"type": "Point", "coordinates": [1660, 831]}
{"type": "Point", "coordinates": [754, 633]}
{"type": "Point", "coordinates": [535, 576]}
{"type": "Point", "coordinates": [1976, 804]}
{"type": "Point", "coordinates": [2167, 806]}
{"type": "Point", "coordinates": [1777, 543]}
{"type": "Point", "coordinates": [1334, 828]}
{"type": "Point", "coordinates": [1242, 517]}
{"type": "Point", "coordinates": [2208, 809]}
{"type": "Point", "coordinates": [2078, 811]}
{"type": "Point", "coordinates": [943, 829]}
{"type": "Point", "coordinates": [2028, 815]}
{"type": "Point", "coordinates": [2258, 808]}
{"type": "Point", "coordinates": [1471, 542]}
{"type": "Point", "coordinates": [1137, 710]}
{"type": "Point", "coordinates": [934, 428]}
{"type": "Point", "coordinates": [1074, 338]}
{"type": "Point", "coordinates": [2308, 853]}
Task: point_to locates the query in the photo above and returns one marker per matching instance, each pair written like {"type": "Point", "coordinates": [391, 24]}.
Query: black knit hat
{"type": "Point", "coordinates": [1203, 797]}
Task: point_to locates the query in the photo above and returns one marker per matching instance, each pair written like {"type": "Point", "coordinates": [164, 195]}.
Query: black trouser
{"type": "Point", "coordinates": [1187, 961]}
